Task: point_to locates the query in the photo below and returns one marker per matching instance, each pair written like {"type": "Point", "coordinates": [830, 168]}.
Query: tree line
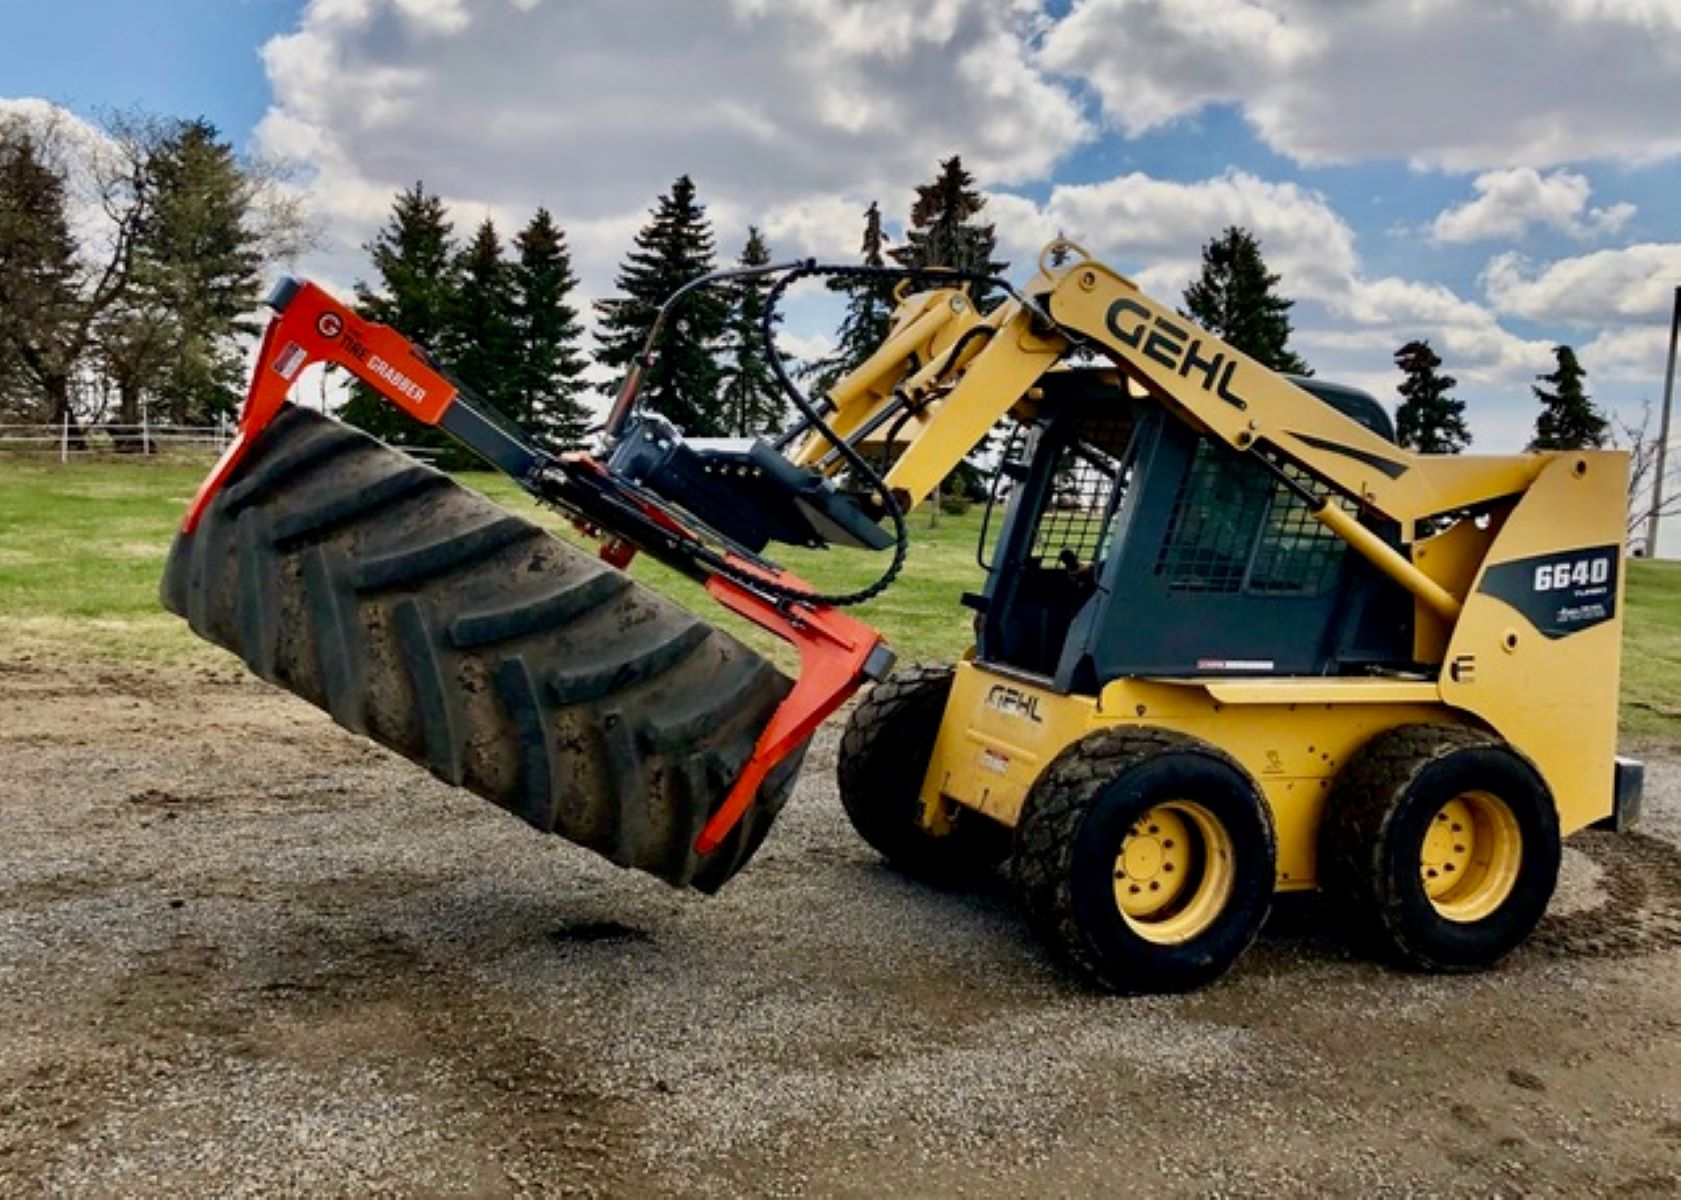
{"type": "Point", "coordinates": [509, 325]}
{"type": "Point", "coordinates": [712, 376]}
{"type": "Point", "coordinates": [155, 312]}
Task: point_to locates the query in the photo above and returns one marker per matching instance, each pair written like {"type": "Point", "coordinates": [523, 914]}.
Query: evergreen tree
{"type": "Point", "coordinates": [199, 256]}
{"type": "Point", "coordinates": [674, 247]}
{"type": "Point", "coordinates": [40, 300]}
{"type": "Point", "coordinates": [869, 310]}
{"type": "Point", "coordinates": [482, 342]}
{"type": "Point", "coordinates": [944, 230]}
{"type": "Point", "coordinates": [414, 256]}
{"type": "Point", "coordinates": [179, 331]}
{"type": "Point", "coordinates": [1234, 299]}
{"type": "Point", "coordinates": [1568, 419]}
{"type": "Point", "coordinates": [550, 367]}
{"type": "Point", "coordinates": [752, 398]}
{"type": "Point", "coordinates": [1429, 420]}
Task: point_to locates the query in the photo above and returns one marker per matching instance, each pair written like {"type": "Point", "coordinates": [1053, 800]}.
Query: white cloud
{"type": "Point", "coordinates": [1606, 287]}
{"type": "Point", "coordinates": [1157, 228]}
{"type": "Point", "coordinates": [1161, 225]}
{"type": "Point", "coordinates": [1636, 354]}
{"type": "Point", "coordinates": [594, 106]}
{"type": "Point", "coordinates": [1466, 334]}
{"type": "Point", "coordinates": [1510, 201]}
{"type": "Point", "coordinates": [1461, 84]}
{"type": "Point", "coordinates": [83, 154]}
{"type": "Point", "coordinates": [1152, 61]}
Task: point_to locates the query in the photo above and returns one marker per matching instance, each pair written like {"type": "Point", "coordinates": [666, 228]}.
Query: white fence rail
{"type": "Point", "coordinates": [67, 441]}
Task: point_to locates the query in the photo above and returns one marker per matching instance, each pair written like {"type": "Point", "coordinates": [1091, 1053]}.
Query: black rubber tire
{"type": "Point", "coordinates": [473, 642]}
{"type": "Point", "coordinates": [1073, 822]}
{"type": "Point", "coordinates": [883, 757]}
{"type": "Point", "coordinates": [1374, 827]}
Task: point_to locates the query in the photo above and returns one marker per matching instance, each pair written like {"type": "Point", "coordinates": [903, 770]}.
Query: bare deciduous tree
{"type": "Point", "coordinates": [1639, 439]}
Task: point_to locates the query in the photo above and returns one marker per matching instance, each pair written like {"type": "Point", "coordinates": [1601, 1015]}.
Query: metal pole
{"type": "Point", "coordinates": [64, 439]}
{"type": "Point", "coordinates": [145, 428]}
{"type": "Point", "coordinates": [1663, 431]}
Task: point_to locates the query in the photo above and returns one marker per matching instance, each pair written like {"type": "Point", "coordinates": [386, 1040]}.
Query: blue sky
{"type": "Point", "coordinates": [180, 57]}
{"type": "Point", "coordinates": [1493, 176]}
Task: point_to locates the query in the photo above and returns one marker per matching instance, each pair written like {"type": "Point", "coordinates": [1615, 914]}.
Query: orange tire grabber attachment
{"type": "Point", "coordinates": [837, 652]}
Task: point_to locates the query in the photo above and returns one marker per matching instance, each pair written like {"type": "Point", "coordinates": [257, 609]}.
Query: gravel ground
{"type": "Point", "coordinates": [243, 952]}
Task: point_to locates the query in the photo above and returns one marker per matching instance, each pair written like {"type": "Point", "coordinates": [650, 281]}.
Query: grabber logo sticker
{"type": "Point", "coordinates": [329, 324]}
{"type": "Point", "coordinates": [1015, 702]}
{"type": "Point", "coordinates": [1559, 594]}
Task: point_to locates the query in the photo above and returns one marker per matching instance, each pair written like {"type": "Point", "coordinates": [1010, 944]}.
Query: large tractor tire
{"type": "Point", "coordinates": [1440, 846]}
{"type": "Point", "coordinates": [1146, 858]}
{"type": "Point", "coordinates": [883, 757]}
{"type": "Point", "coordinates": [469, 640]}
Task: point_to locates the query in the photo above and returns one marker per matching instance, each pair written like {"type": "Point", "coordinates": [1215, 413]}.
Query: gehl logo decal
{"type": "Point", "coordinates": [1015, 702]}
{"type": "Point", "coordinates": [1164, 342]}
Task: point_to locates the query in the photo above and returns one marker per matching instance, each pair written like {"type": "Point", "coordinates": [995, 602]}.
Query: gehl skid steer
{"type": "Point", "coordinates": [1232, 638]}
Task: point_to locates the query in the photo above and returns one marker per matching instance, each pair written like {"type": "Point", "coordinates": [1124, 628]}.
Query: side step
{"type": "Point", "coordinates": [474, 643]}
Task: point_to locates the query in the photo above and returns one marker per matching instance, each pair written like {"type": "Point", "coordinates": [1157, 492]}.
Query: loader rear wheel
{"type": "Point", "coordinates": [471, 641]}
{"type": "Point", "coordinates": [883, 757]}
{"type": "Point", "coordinates": [1440, 845]}
{"type": "Point", "coordinates": [1146, 858]}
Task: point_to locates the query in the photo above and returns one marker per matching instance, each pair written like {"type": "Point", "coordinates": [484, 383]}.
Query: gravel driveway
{"type": "Point", "coordinates": [242, 951]}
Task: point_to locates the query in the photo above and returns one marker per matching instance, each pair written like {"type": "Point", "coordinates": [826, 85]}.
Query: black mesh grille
{"type": "Point", "coordinates": [1297, 555]}
{"type": "Point", "coordinates": [1235, 528]}
{"type": "Point", "coordinates": [1083, 497]}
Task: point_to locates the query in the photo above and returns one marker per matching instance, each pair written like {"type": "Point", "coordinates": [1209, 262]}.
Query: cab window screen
{"type": "Point", "coordinates": [1234, 528]}
{"type": "Point", "coordinates": [1083, 495]}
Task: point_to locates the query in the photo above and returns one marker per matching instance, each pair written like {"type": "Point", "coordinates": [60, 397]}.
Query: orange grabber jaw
{"type": "Point", "coordinates": [838, 655]}
{"type": "Point", "coordinates": [309, 326]}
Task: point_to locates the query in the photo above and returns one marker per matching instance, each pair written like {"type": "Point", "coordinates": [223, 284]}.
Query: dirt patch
{"type": "Point", "coordinates": [244, 951]}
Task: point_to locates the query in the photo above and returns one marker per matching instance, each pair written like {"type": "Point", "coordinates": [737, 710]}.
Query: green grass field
{"type": "Point", "coordinates": [82, 549]}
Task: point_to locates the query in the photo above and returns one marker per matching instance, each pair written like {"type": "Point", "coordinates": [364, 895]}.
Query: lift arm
{"type": "Point", "coordinates": [946, 374]}
{"type": "Point", "coordinates": [955, 372]}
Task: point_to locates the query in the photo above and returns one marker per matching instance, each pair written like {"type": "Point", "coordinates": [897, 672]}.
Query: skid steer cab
{"type": "Point", "coordinates": [1230, 638]}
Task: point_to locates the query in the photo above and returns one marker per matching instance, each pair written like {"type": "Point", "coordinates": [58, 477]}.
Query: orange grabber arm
{"type": "Point", "coordinates": [310, 326]}
{"type": "Point", "coordinates": [838, 654]}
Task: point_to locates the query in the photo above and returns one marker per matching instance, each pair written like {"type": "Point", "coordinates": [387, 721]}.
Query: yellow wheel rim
{"type": "Point", "coordinates": [1470, 858]}
{"type": "Point", "coordinates": [1174, 872]}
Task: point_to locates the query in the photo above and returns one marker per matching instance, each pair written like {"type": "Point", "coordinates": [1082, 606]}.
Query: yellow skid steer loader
{"type": "Point", "coordinates": [1231, 640]}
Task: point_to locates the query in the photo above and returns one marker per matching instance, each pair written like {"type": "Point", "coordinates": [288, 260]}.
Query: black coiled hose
{"type": "Point", "coordinates": [891, 508]}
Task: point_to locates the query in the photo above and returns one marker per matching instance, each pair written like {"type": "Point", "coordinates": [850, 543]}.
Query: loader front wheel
{"type": "Point", "coordinates": [1441, 846]}
{"type": "Point", "coordinates": [1146, 859]}
{"type": "Point", "coordinates": [883, 757]}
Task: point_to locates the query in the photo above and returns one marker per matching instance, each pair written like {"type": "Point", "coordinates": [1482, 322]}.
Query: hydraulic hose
{"type": "Point", "coordinates": [789, 274]}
